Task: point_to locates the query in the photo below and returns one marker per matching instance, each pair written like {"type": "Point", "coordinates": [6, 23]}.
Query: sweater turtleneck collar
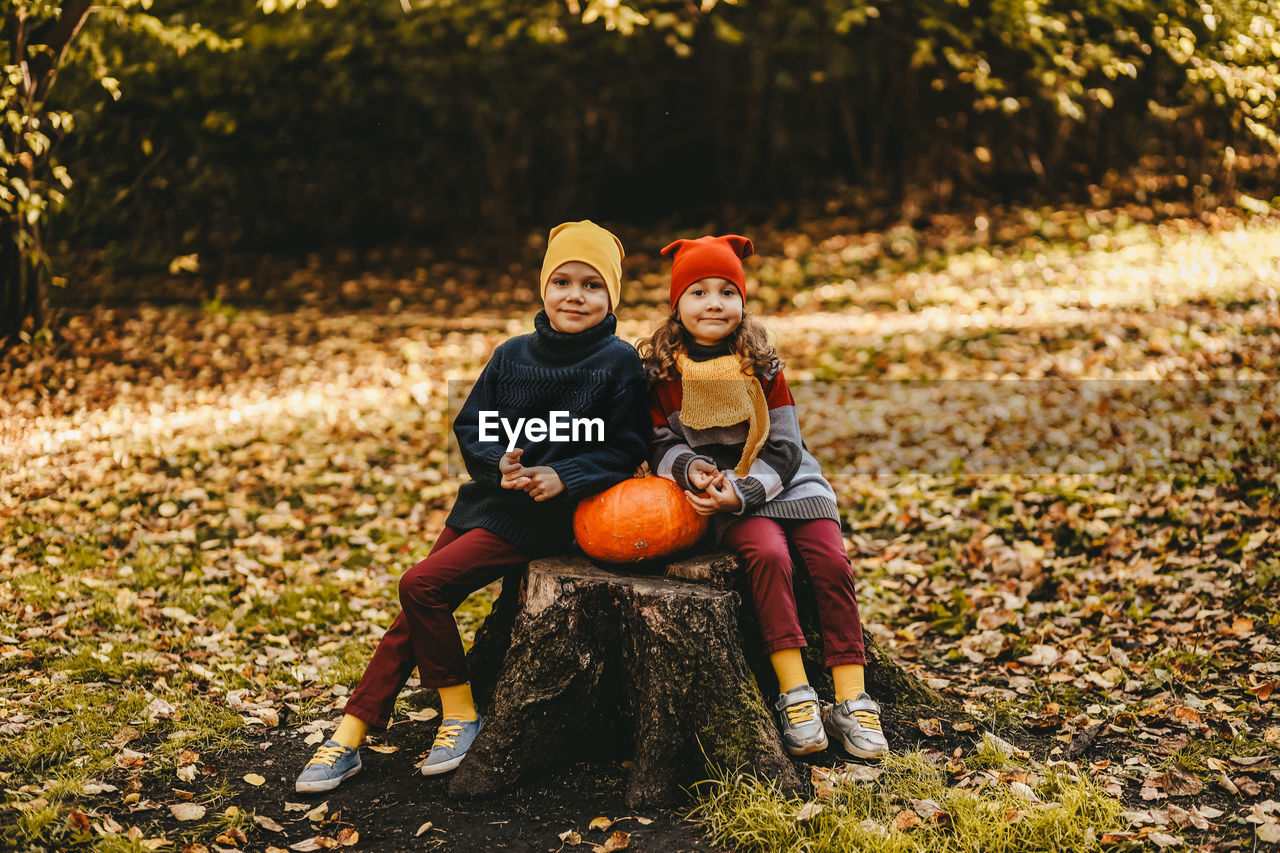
{"type": "Point", "coordinates": [564, 347]}
{"type": "Point", "coordinates": [703, 352]}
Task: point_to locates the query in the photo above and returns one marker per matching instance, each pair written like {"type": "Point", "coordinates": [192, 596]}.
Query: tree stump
{"type": "Point", "coordinates": [600, 662]}
{"type": "Point", "coordinates": [661, 669]}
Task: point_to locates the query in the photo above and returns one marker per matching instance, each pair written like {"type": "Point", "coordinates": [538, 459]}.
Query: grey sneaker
{"type": "Point", "coordinates": [801, 721]}
{"type": "Point", "coordinates": [331, 764]}
{"type": "Point", "coordinates": [860, 737]}
{"type": "Point", "coordinates": [453, 739]}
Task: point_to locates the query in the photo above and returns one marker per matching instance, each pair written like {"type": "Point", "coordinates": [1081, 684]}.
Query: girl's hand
{"type": "Point", "coordinates": [701, 473]}
{"type": "Point", "coordinates": [543, 482]}
{"type": "Point", "coordinates": [720, 497]}
{"type": "Point", "coordinates": [514, 475]}
{"type": "Point", "coordinates": [724, 494]}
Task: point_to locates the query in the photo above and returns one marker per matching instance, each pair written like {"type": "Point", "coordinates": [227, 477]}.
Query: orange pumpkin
{"type": "Point", "coordinates": [638, 519]}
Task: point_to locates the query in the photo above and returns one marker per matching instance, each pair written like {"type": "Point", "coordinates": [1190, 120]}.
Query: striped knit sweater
{"type": "Point", "coordinates": [785, 481]}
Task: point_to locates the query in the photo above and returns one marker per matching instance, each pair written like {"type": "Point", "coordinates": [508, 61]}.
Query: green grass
{"type": "Point", "coordinates": [1071, 813]}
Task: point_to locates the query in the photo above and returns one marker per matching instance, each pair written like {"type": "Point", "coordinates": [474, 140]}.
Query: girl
{"type": "Point", "coordinates": [725, 430]}
{"type": "Point", "coordinates": [518, 504]}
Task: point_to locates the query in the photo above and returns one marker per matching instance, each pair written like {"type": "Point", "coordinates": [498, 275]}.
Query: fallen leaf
{"type": "Point", "coordinates": [823, 781]}
{"type": "Point", "coordinates": [1249, 760]}
{"type": "Point", "coordinates": [905, 819]}
{"type": "Point", "coordinates": [643, 821]}
{"type": "Point", "coordinates": [254, 779]}
{"type": "Point", "coordinates": [187, 811]}
{"type": "Point", "coordinates": [1269, 832]}
{"type": "Point", "coordinates": [600, 823]}
{"type": "Point", "coordinates": [267, 823]}
{"type": "Point", "coordinates": [1163, 840]}
{"type": "Point", "coordinates": [1023, 791]}
{"type": "Point", "coordinates": [1041, 655]}
{"type": "Point", "coordinates": [78, 821]}
{"type": "Point", "coordinates": [1117, 837]}
{"type": "Point", "coordinates": [807, 811]}
{"type": "Point", "coordinates": [384, 748]}
{"type": "Point", "coordinates": [232, 837]}
{"type": "Point", "coordinates": [1250, 787]}
{"type": "Point", "coordinates": [317, 814]}
{"type": "Point", "coordinates": [619, 840]}
{"type": "Point", "coordinates": [929, 810]}
{"type": "Point", "coordinates": [426, 826]}
{"type": "Point", "coordinates": [306, 845]}
{"type": "Point", "coordinates": [295, 807]}
{"type": "Point", "coordinates": [855, 773]}
{"type": "Point", "coordinates": [423, 715]}
{"type": "Point", "coordinates": [269, 717]}
{"type": "Point", "coordinates": [930, 726]}
{"type": "Point", "coordinates": [347, 836]}
{"type": "Point", "coordinates": [569, 837]}
{"type": "Point", "coordinates": [159, 709]}
{"type": "Point", "coordinates": [1180, 782]}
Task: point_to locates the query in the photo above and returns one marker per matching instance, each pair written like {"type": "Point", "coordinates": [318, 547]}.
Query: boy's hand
{"type": "Point", "coordinates": [514, 475]}
{"type": "Point", "coordinates": [720, 497]}
{"type": "Point", "coordinates": [543, 482]}
{"type": "Point", "coordinates": [701, 473]}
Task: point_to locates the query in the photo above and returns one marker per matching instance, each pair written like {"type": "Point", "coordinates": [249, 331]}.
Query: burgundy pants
{"type": "Point", "coordinates": [425, 634]}
{"type": "Point", "coordinates": [768, 546]}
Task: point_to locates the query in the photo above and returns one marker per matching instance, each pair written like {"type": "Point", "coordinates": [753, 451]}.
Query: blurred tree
{"type": "Point", "coordinates": [365, 123]}
{"type": "Point", "coordinates": [38, 40]}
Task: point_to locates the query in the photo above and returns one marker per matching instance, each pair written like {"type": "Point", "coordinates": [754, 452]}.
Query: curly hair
{"type": "Point", "coordinates": [749, 342]}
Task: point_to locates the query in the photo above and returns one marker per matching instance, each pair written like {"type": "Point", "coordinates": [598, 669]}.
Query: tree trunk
{"type": "Point", "coordinates": [579, 662]}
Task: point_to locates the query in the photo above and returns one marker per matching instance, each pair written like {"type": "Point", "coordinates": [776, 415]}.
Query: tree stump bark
{"type": "Point", "coordinates": [661, 669]}
{"type": "Point", "coordinates": [605, 664]}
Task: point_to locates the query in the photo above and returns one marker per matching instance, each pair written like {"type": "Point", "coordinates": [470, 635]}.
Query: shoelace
{"type": "Point", "coordinates": [868, 719]}
{"type": "Point", "coordinates": [327, 755]}
{"type": "Point", "coordinates": [447, 736]}
{"type": "Point", "coordinates": [802, 712]}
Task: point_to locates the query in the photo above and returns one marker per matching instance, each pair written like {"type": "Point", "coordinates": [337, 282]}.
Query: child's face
{"type": "Point", "coordinates": [576, 297]}
{"type": "Point", "coordinates": [710, 310]}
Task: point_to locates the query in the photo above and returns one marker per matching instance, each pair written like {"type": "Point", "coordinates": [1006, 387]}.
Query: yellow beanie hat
{"type": "Point", "coordinates": [587, 242]}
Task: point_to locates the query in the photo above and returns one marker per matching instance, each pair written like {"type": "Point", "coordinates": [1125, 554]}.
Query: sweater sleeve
{"type": "Point", "coordinates": [776, 464]}
{"type": "Point", "coordinates": [671, 454]}
{"type": "Point", "coordinates": [480, 457]}
{"type": "Point", "coordinates": [625, 442]}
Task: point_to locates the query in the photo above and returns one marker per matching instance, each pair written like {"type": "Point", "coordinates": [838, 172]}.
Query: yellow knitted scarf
{"type": "Point", "coordinates": [719, 393]}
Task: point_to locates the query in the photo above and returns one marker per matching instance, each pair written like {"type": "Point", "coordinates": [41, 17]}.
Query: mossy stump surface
{"type": "Point", "coordinates": [578, 661]}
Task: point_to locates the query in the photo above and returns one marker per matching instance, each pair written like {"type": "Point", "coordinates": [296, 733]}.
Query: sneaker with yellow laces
{"type": "Point", "coordinates": [331, 764]}
{"type": "Point", "coordinates": [801, 721]}
{"type": "Point", "coordinates": [855, 723]}
{"type": "Point", "coordinates": [453, 739]}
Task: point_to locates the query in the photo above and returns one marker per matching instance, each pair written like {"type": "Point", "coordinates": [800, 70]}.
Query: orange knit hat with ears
{"type": "Point", "coordinates": [708, 257]}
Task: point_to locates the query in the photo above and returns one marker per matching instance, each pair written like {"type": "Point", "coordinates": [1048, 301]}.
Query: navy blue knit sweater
{"type": "Point", "coordinates": [589, 374]}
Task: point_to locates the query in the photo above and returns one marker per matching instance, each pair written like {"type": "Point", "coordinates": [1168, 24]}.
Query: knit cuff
{"type": "Point", "coordinates": [680, 470]}
{"type": "Point", "coordinates": [750, 493]}
{"type": "Point", "coordinates": [575, 477]}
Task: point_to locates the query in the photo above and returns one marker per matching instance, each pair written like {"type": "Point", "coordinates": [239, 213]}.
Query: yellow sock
{"type": "Point", "coordinates": [789, 667]}
{"type": "Point", "coordinates": [849, 679]}
{"type": "Point", "coordinates": [351, 731]}
{"type": "Point", "coordinates": [457, 703]}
